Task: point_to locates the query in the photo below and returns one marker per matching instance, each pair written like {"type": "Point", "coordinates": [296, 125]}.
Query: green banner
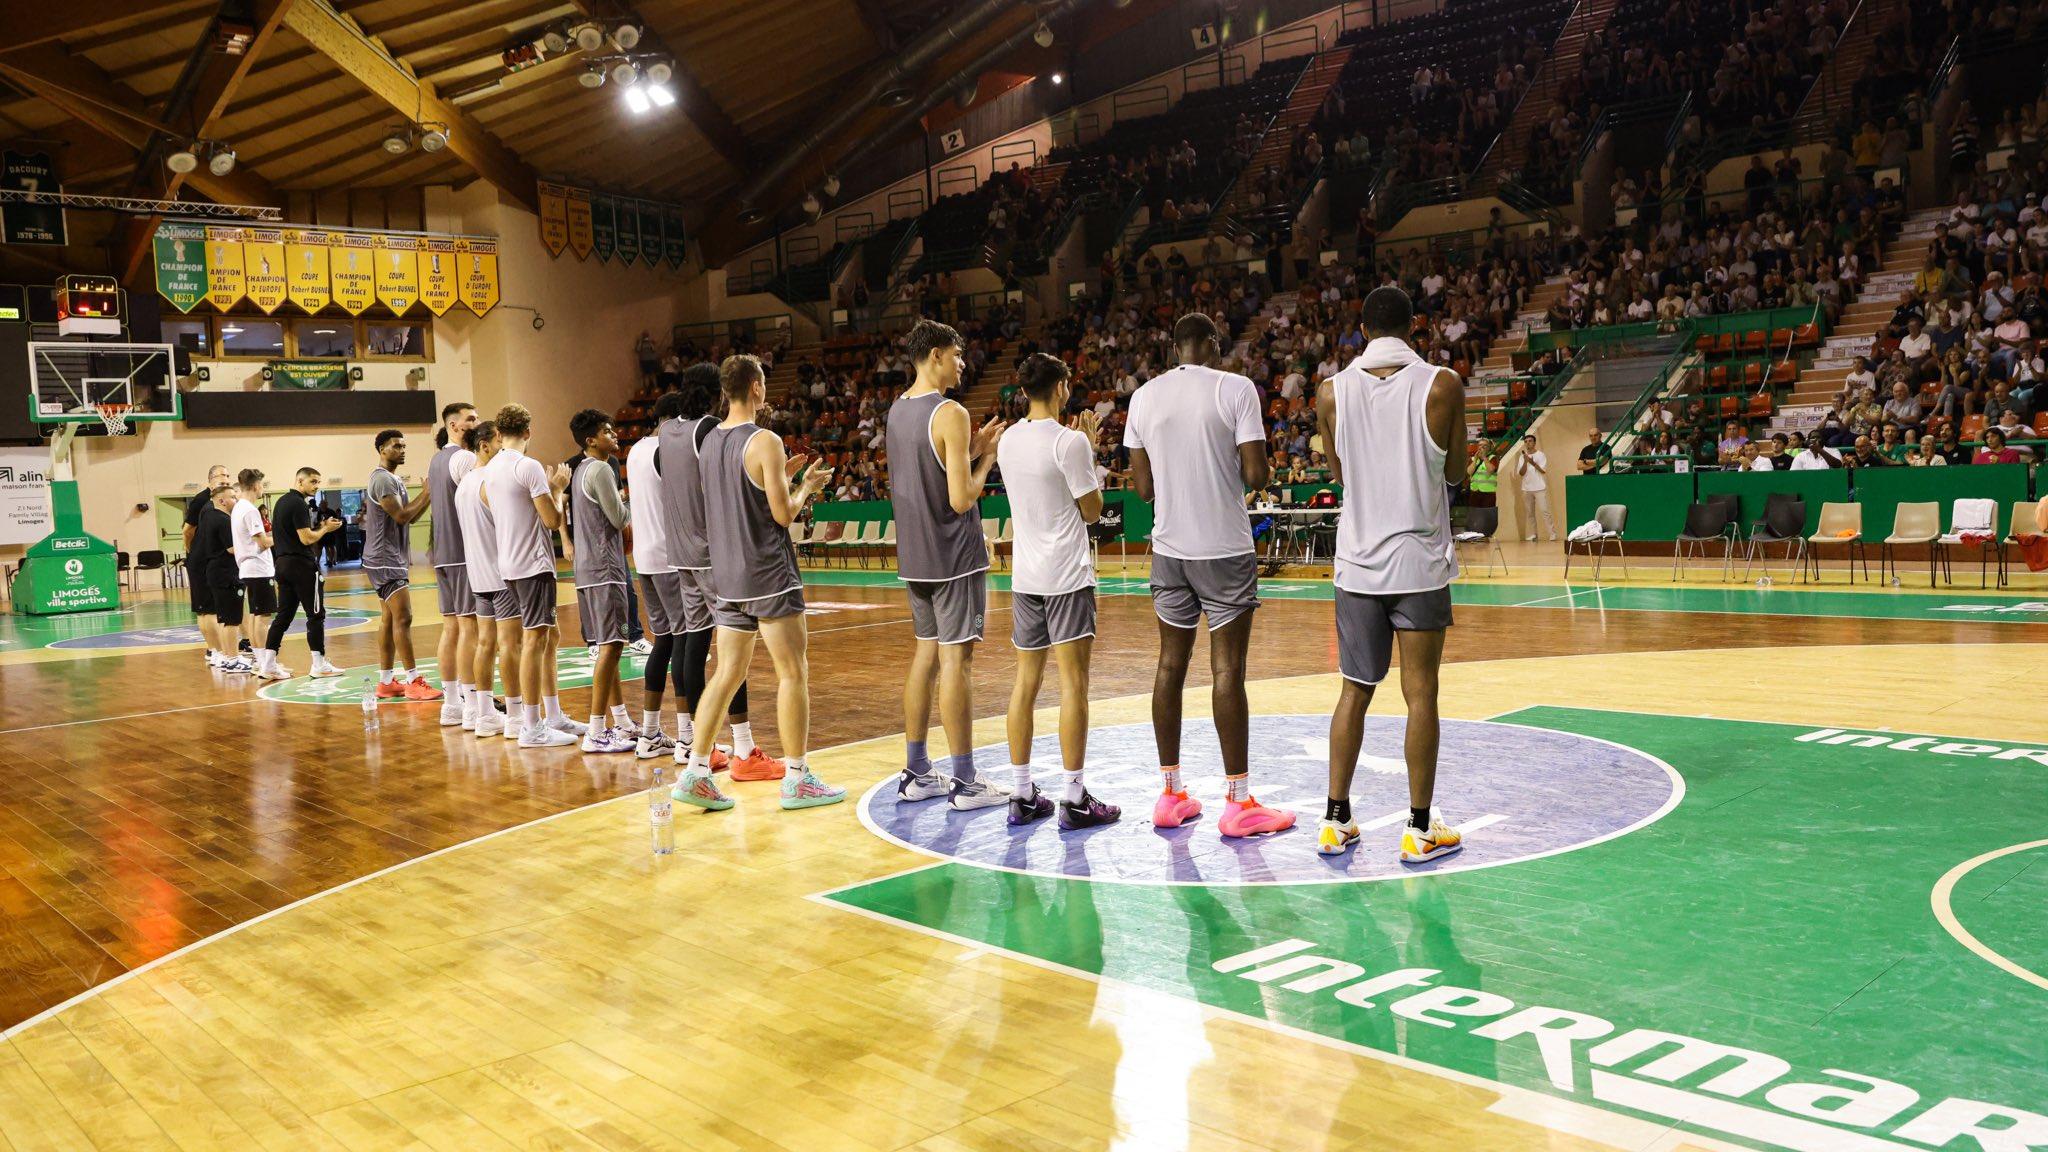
{"type": "Point", "coordinates": [628, 229]}
{"type": "Point", "coordinates": [307, 375]}
{"type": "Point", "coordinates": [30, 222]}
{"type": "Point", "coordinates": [181, 264]}
{"type": "Point", "coordinates": [604, 226]}
{"type": "Point", "coordinates": [675, 241]}
{"type": "Point", "coordinates": [650, 232]}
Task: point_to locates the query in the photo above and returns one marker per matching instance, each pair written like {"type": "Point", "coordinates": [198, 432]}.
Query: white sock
{"type": "Point", "coordinates": [700, 766]}
{"type": "Point", "coordinates": [620, 717]}
{"type": "Point", "coordinates": [1021, 774]}
{"type": "Point", "coordinates": [650, 723]}
{"type": "Point", "coordinates": [743, 739]}
{"type": "Point", "coordinates": [409, 675]}
{"type": "Point", "coordinates": [319, 659]}
{"type": "Point", "coordinates": [269, 657]}
{"type": "Point", "coordinates": [1169, 777]}
{"type": "Point", "coordinates": [384, 675]}
{"type": "Point", "coordinates": [552, 705]}
{"type": "Point", "coordinates": [1075, 788]}
{"type": "Point", "coordinates": [533, 717]}
{"type": "Point", "coordinates": [461, 692]}
{"type": "Point", "coordinates": [515, 712]}
{"type": "Point", "coordinates": [1240, 787]}
{"type": "Point", "coordinates": [597, 727]}
{"type": "Point", "coordinates": [793, 769]}
{"type": "Point", "coordinates": [686, 728]}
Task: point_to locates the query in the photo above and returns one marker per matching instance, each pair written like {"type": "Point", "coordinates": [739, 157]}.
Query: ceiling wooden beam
{"type": "Point", "coordinates": [355, 54]}
{"type": "Point", "coordinates": [877, 25]}
{"type": "Point", "coordinates": [40, 23]}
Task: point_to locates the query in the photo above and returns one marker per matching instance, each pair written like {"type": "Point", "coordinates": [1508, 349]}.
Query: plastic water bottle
{"type": "Point", "coordinates": [369, 710]}
{"type": "Point", "coordinates": [1763, 582]}
{"type": "Point", "coordinates": [661, 813]}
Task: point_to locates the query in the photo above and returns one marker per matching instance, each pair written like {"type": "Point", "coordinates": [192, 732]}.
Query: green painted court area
{"type": "Point", "coordinates": [1763, 965]}
{"type": "Point", "coordinates": [141, 623]}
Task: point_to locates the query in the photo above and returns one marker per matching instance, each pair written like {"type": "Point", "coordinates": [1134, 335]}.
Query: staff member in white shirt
{"type": "Point", "coordinates": [1531, 470]}
{"type": "Point", "coordinates": [254, 565]}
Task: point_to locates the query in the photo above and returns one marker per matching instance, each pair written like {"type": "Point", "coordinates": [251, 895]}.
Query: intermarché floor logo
{"type": "Point", "coordinates": [573, 669]}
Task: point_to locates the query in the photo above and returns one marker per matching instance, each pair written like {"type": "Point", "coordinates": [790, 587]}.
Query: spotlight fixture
{"type": "Point", "coordinates": [184, 159]}
{"type": "Point", "coordinates": [398, 141]}
{"type": "Point", "coordinates": [592, 75]}
{"type": "Point", "coordinates": [1059, 78]}
{"type": "Point", "coordinates": [831, 185]}
{"type": "Point", "coordinates": [749, 215]}
{"type": "Point", "coordinates": [626, 36]}
{"type": "Point", "coordinates": [587, 35]}
{"type": "Point", "coordinates": [896, 96]}
{"type": "Point", "coordinates": [1043, 36]}
{"type": "Point", "coordinates": [625, 72]}
{"type": "Point", "coordinates": [554, 41]}
{"type": "Point", "coordinates": [660, 71]}
{"type": "Point", "coordinates": [433, 137]}
{"type": "Point", "coordinates": [662, 95]}
{"type": "Point", "coordinates": [811, 205]}
{"type": "Point", "coordinates": [637, 101]}
{"type": "Point", "coordinates": [221, 162]}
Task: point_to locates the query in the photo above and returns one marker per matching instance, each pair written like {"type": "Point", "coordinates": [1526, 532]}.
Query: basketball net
{"type": "Point", "coordinates": [114, 417]}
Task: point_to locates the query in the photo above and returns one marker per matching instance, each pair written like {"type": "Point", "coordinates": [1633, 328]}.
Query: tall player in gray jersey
{"type": "Point", "coordinates": [387, 561]}
{"type": "Point", "coordinates": [1395, 428]}
{"type": "Point", "coordinates": [1196, 443]}
{"type": "Point", "coordinates": [597, 528]}
{"type": "Point", "coordinates": [938, 465]}
{"type": "Point", "coordinates": [750, 499]}
{"type": "Point", "coordinates": [451, 571]}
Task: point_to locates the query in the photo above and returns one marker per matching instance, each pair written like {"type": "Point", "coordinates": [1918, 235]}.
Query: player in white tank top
{"type": "Point", "coordinates": [1395, 428]}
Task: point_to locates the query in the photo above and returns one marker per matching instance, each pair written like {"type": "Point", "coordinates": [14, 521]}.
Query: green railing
{"type": "Point", "coordinates": [743, 330]}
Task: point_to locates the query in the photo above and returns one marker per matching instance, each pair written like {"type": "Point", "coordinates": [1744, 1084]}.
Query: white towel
{"type": "Point", "coordinates": [1386, 352]}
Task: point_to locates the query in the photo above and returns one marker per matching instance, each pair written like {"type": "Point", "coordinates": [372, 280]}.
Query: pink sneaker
{"type": "Point", "coordinates": [1248, 817]}
{"type": "Point", "coordinates": [1173, 809]}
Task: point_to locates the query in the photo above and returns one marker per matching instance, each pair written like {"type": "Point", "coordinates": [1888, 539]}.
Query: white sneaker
{"type": "Point", "coordinates": [628, 729]}
{"type": "Point", "coordinates": [573, 727]}
{"type": "Point", "coordinates": [930, 786]}
{"type": "Point", "coordinates": [324, 667]}
{"type": "Point", "coordinates": [514, 728]}
{"type": "Point", "coordinates": [607, 741]}
{"type": "Point", "coordinates": [272, 672]}
{"type": "Point", "coordinates": [545, 737]}
{"type": "Point", "coordinates": [451, 712]}
{"type": "Point", "coordinates": [491, 723]}
{"type": "Point", "coordinates": [965, 797]}
{"type": "Point", "coordinates": [648, 747]}
{"type": "Point", "coordinates": [641, 647]}
{"type": "Point", "coordinates": [469, 716]}
{"type": "Point", "coordinates": [593, 653]}
{"type": "Point", "coordinates": [236, 667]}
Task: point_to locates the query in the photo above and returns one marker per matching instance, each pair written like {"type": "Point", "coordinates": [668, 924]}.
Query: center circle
{"type": "Point", "coordinates": [1522, 793]}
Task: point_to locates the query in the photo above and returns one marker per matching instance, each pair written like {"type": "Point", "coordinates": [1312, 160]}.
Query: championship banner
{"type": "Point", "coordinates": [650, 233]}
{"type": "Point", "coordinates": [31, 223]}
{"type": "Point", "coordinates": [479, 264]}
{"type": "Point", "coordinates": [675, 242]}
{"type": "Point", "coordinates": [440, 283]}
{"type": "Point", "coordinates": [554, 217]}
{"type": "Point", "coordinates": [263, 268]}
{"type": "Point", "coordinates": [604, 226]}
{"type": "Point", "coordinates": [398, 272]}
{"type": "Point", "coordinates": [226, 283]}
{"type": "Point", "coordinates": [628, 230]}
{"type": "Point", "coordinates": [580, 240]}
{"type": "Point", "coordinates": [305, 263]}
{"type": "Point", "coordinates": [352, 258]}
{"type": "Point", "coordinates": [181, 264]}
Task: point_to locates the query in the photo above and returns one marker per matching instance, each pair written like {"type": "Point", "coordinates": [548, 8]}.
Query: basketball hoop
{"type": "Point", "coordinates": [114, 417]}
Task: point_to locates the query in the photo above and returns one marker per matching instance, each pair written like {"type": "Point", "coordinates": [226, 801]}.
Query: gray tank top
{"type": "Point", "coordinates": [600, 548]}
{"type": "Point", "coordinates": [444, 535]}
{"type": "Point", "coordinates": [751, 556]}
{"type": "Point", "coordinates": [1394, 531]}
{"type": "Point", "coordinates": [682, 481]}
{"type": "Point", "coordinates": [384, 542]}
{"type": "Point", "coordinates": [933, 542]}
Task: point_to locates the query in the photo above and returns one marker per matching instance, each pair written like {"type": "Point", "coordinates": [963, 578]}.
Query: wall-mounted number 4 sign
{"type": "Point", "coordinates": [1205, 36]}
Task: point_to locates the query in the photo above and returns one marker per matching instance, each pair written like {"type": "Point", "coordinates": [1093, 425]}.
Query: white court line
{"type": "Point", "coordinates": [1487, 821]}
{"type": "Point", "coordinates": [131, 716]}
{"type": "Point", "coordinates": [1386, 821]}
{"type": "Point", "coordinates": [1954, 927]}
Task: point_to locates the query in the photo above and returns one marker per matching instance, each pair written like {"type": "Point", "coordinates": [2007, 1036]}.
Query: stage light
{"type": "Point", "coordinates": [221, 162]}
{"type": "Point", "coordinates": [1043, 35]}
{"type": "Point", "coordinates": [1058, 78]}
{"type": "Point", "coordinates": [662, 95]}
{"type": "Point", "coordinates": [626, 36]}
{"type": "Point", "coordinates": [592, 75]}
{"type": "Point", "coordinates": [831, 185]}
{"type": "Point", "coordinates": [398, 141]}
{"type": "Point", "coordinates": [184, 159]}
{"type": "Point", "coordinates": [625, 72]}
{"type": "Point", "coordinates": [588, 36]}
{"type": "Point", "coordinates": [554, 41]}
{"type": "Point", "coordinates": [660, 71]}
{"type": "Point", "coordinates": [434, 138]}
{"type": "Point", "coordinates": [750, 215]}
{"type": "Point", "coordinates": [637, 101]}
{"type": "Point", "coordinates": [811, 205]}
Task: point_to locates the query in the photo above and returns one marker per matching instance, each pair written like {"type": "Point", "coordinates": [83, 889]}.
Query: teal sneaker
{"type": "Point", "coordinates": [700, 792]}
{"type": "Point", "coordinates": [809, 792]}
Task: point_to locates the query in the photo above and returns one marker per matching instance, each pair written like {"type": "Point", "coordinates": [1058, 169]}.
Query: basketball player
{"type": "Point", "coordinates": [1049, 472]}
{"type": "Point", "coordinates": [444, 549]}
{"type": "Point", "coordinates": [196, 564]}
{"type": "Point", "coordinates": [387, 561]}
{"type": "Point", "coordinates": [679, 464]}
{"type": "Point", "coordinates": [525, 503]}
{"type": "Point", "coordinates": [598, 524]}
{"type": "Point", "coordinates": [296, 553]}
{"type": "Point", "coordinates": [253, 564]}
{"type": "Point", "coordinates": [1397, 424]}
{"type": "Point", "coordinates": [216, 540]}
{"type": "Point", "coordinates": [751, 496]}
{"type": "Point", "coordinates": [1196, 444]}
{"type": "Point", "coordinates": [938, 465]}
{"type": "Point", "coordinates": [496, 619]}
{"type": "Point", "coordinates": [660, 585]}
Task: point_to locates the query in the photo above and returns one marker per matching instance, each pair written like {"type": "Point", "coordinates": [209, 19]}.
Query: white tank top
{"type": "Point", "coordinates": [1394, 531]}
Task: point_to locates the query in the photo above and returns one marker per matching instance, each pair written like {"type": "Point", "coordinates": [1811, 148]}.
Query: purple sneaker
{"type": "Point", "coordinates": [1029, 811]}
{"type": "Point", "coordinates": [1089, 813]}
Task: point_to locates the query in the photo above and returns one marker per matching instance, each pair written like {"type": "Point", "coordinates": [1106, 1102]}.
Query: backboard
{"type": "Point", "coordinates": [69, 381]}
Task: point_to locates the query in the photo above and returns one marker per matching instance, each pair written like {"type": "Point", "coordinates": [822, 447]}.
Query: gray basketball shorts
{"type": "Point", "coordinates": [746, 615]}
{"type": "Point", "coordinates": [949, 611]}
{"type": "Point", "coordinates": [453, 584]}
{"type": "Point", "coordinates": [662, 592]}
{"type": "Point", "coordinates": [1045, 621]}
{"type": "Point", "coordinates": [1184, 591]}
{"type": "Point", "coordinates": [601, 610]}
{"type": "Point", "coordinates": [496, 605]}
{"type": "Point", "coordinates": [1366, 625]}
{"type": "Point", "coordinates": [533, 600]}
{"type": "Point", "coordinates": [698, 599]}
{"type": "Point", "coordinates": [387, 581]}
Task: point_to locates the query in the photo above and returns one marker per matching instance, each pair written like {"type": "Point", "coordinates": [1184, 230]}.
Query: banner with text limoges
{"type": "Point", "coordinates": [624, 229]}
{"type": "Point", "coordinates": [315, 268]}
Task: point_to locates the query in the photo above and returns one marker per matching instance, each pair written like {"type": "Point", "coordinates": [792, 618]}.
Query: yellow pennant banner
{"type": "Point", "coordinates": [554, 217]}
{"type": "Point", "coordinates": [581, 232]}
{"type": "Point", "coordinates": [479, 264]}
{"type": "Point", "coordinates": [264, 268]}
{"type": "Point", "coordinates": [440, 281]}
{"type": "Point", "coordinates": [398, 272]}
{"type": "Point", "coordinates": [305, 262]}
{"type": "Point", "coordinates": [352, 257]}
{"type": "Point", "coordinates": [226, 283]}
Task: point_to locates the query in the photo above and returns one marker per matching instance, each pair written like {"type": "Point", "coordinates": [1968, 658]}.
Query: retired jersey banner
{"type": "Point", "coordinates": [305, 269]}
{"type": "Point", "coordinates": [675, 242]}
{"type": "Point", "coordinates": [479, 264]}
{"type": "Point", "coordinates": [352, 258]}
{"type": "Point", "coordinates": [629, 230]}
{"type": "Point", "coordinates": [398, 272]}
{"type": "Point", "coordinates": [650, 232]}
{"type": "Point", "coordinates": [32, 221]}
{"type": "Point", "coordinates": [604, 226]}
{"type": "Point", "coordinates": [181, 264]}
{"type": "Point", "coordinates": [554, 217]}
{"type": "Point", "coordinates": [579, 223]}
{"type": "Point", "coordinates": [440, 280]}
{"type": "Point", "coordinates": [226, 283]}
{"type": "Point", "coordinates": [263, 268]}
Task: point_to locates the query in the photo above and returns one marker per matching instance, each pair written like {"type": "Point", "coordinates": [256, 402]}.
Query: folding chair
{"type": "Point", "coordinates": [1915, 523]}
{"type": "Point", "coordinates": [1977, 516]}
{"type": "Point", "coordinates": [1837, 517]}
{"type": "Point", "coordinates": [1784, 523]}
{"type": "Point", "coordinates": [2026, 521]}
{"type": "Point", "coordinates": [151, 560]}
{"type": "Point", "coordinates": [1704, 522]}
{"type": "Point", "coordinates": [1613, 521]}
{"type": "Point", "coordinates": [1480, 526]}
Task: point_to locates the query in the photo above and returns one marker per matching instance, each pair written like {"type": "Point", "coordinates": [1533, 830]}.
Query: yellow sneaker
{"type": "Point", "coordinates": [1336, 839]}
{"type": "Point", "coordinates": [1418, 846]}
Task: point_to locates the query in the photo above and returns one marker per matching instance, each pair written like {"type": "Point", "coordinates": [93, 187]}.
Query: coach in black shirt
{"type": "Point", "coordinates": [195, 560]}
{"type": "Point", "coordinates": [298, 539]}
{"type": "Point", "coordinates": [214, 542]}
